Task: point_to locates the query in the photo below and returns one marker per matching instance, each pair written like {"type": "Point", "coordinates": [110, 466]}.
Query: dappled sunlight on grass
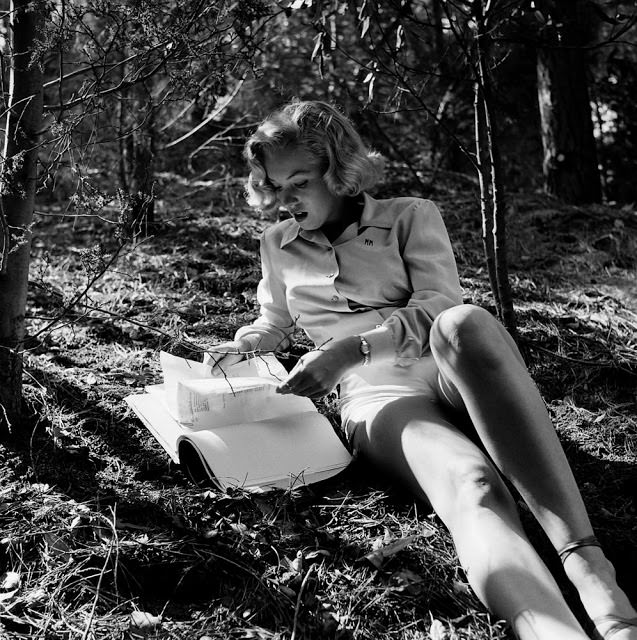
{"type": "Point", "coordinates": [97, 523]}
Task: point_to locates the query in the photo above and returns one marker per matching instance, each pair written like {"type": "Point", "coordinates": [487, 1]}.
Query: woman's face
{"type": "Point", "coordinates": [297, 178]}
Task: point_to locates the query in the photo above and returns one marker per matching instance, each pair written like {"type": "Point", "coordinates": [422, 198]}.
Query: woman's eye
{"type": "Point", "coordinates": [301, 185]}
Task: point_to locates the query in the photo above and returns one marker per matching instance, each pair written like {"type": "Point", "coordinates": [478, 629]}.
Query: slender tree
{"type": "Point", "coordinates": [490, 173]}
{"type": "Point", "coordinates": [406, 42]}
{"type": "Point", "coordinates": [181, 42]}
{"type": "Point", "coordinates": [18, 184]}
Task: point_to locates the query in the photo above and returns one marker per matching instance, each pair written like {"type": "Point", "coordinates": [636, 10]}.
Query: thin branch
{"type": "Point", "coordinates": [216, 137]}
{"type": "Point", "coordinates": [82, 293]}
{"type": "Point", "coordinates": [124, 84]}
{"type": "Point", "coordinates": [224, 105]}
{"type": "Point", "coordinates": [111, 66]}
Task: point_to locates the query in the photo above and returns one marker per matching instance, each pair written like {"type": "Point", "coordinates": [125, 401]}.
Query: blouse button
{"type": "Point", "coordinates": [334, 298]}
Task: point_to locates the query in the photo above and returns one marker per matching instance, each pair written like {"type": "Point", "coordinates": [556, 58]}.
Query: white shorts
{"type": "Point", "coordinates": [367, 390]}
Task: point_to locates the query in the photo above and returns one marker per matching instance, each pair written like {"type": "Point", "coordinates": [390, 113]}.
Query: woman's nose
{"type": "Point", "coordinates": [287, 197]}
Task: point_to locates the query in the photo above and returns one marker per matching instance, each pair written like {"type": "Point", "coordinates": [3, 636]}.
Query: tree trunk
{"type": "Point", "coordinates": [138, 175]}
{"type": "Point", "coordinates": [484, 180]}
{"type": "Point", "coordinates": [570, 159]}
{"type": "Point", "coordinates": [490, 176]}
{"type": "Point", "coordinates": [19, 174]}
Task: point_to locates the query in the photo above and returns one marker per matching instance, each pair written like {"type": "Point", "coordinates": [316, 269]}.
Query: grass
{"type": "Point", "coordinates": [99, 528]}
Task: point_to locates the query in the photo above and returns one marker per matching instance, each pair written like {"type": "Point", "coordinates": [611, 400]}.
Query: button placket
{"type": "Point", "coordinates": [332, 267]}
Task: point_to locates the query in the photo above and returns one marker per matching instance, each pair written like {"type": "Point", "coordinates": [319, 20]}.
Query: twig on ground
{"type": "Point", "coordinates": [297, 608]}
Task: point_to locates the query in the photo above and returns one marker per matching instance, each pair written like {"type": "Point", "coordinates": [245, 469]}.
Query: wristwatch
{"type": "Point", "coordinates": [365, 350]}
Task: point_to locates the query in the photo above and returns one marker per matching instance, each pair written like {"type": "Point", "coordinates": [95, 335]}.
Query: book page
{"type": "Point", "coordinates": [187, 401]}
{"type": "Point", "coordinates": [257, 366]}
{"type": "Point", "coordinates": [152, 411]}
{"type": "Point", "coordinates": [214, 403]}
{"type": "Point", "coordinates": [283, 451]}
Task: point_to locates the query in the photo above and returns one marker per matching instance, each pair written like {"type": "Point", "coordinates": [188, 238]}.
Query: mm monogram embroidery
{"type": "Point", "coordinates": [369, 243]}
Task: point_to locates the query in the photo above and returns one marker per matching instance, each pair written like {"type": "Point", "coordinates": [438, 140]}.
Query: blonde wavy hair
{"type": "Point", "coordinates": [349, 166]}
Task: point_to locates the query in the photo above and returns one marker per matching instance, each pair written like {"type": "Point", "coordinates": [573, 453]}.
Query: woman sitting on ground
{"type": "Point", "coordinates": [374, 285]}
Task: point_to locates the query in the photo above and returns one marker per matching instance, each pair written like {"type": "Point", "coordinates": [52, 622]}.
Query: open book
{"type": "Point", "coordinates": [234, 429]}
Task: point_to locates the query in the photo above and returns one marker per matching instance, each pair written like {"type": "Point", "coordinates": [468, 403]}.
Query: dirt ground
{"type": "Point", "coordinates": [103, 537]}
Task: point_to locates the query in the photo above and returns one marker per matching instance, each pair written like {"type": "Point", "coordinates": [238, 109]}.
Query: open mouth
{"type": "Point", "coordinates": [300, 215]}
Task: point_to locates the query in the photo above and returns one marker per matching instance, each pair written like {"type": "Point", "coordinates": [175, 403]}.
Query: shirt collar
{"type": "Point", "coordinates": [374, 215]}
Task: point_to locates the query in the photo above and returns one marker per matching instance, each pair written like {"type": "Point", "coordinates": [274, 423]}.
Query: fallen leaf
{"type": "Point", "coordinates": [461, 587]}
{"type": "Point", "coordinates": [297, 563]}
{"type": "Point", "coordinates": [10, 585]}
{"type": "Point", "coordinates": [286, 591]}
{"type": "Point", "coordinates": [437, 630]}
{"type": "Point", "coordinates": [238, 527]}
{"type": "Point", "coordinates": [9, 580]}
{"type": "Point", "coordinates": [144, 621]}
{"type": "Point", "coordinates": [378, 557]}
{"type": "Point", "coordinates": [313, 555]}
{"type": "Point", "coordinates": [406, 580]}
{"type": "Point", "coordinates": [8, 595]}
{"type": "Point", "coordinates": [383, 540]}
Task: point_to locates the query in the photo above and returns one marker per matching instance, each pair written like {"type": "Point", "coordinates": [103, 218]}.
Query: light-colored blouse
{"type": "Point", "coordinates": [386, 277]}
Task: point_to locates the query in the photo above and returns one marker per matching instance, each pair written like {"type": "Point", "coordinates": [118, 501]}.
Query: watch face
{"type": "Point", "coordinates": [365, 350]}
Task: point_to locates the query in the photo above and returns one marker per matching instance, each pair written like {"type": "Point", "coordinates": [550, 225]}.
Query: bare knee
{"type": "Point", "coordinates": [474, 487]}
{"type": "Point", "coordinates": [470, 334]}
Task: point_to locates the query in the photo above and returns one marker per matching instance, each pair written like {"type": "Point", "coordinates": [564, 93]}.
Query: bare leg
{"type": "Point", "coordinates": [483, 368]}
{"type": "Point", "coordinates": [411, 439]}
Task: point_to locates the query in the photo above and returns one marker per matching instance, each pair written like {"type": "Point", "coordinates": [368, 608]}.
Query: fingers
{"type": "Point", "coordinates": [293, 383]}
{"type": "Point", "coordinates": [225, 362]}
{"type": "Point", "coordinates": [306, 391]}
{"type": "Point", "coordinates": [310, 382]}
{"type": "Point", "coordinates": [224, 355]}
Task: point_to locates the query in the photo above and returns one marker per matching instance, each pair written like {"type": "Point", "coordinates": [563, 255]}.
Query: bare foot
{"type": "Point", "coordinates": [594, 578]}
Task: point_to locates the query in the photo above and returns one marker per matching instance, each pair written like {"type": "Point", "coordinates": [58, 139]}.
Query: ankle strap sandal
{"type": "Point", "coordinates": [588, 541]}
{"type": "Point", "coordinates": [617, 624]}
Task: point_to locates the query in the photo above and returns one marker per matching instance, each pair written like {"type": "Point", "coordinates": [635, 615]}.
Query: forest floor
{"type": "Point", "coordinates": [102, 537]}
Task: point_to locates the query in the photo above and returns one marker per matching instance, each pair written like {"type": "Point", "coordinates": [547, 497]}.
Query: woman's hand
{"type": "Point", "coordinates": [221, 356]}
{"type": "Point", "coordinates": [318, 372]}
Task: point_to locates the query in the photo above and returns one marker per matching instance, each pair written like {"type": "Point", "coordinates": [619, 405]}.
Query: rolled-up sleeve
{"type": "Point", "coordinates": [431, 267]}
{"type": "Point", "coordinates": [273, 329]}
